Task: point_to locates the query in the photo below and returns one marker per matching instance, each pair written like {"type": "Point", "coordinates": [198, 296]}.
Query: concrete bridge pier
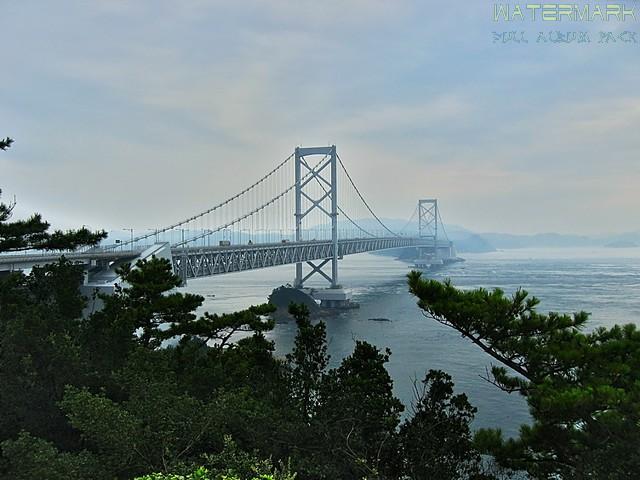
{"type": "Point", "coordinates": [336, 298]}
{"type": "Point", "coordinates": [433, 256]}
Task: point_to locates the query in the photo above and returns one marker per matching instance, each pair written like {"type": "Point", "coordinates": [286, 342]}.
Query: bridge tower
{"type": "Point", "coordinates": [428, 219]}
{"type": "Point", "coordinates": [326, 174]}
{"type": "Point", "coordinates": [427, 249]}
{"type": "Point", "coordinates": [432, 250]}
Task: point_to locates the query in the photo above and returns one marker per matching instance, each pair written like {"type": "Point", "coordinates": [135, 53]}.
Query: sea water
{"type": "Point", "coordinates": [604, 282]}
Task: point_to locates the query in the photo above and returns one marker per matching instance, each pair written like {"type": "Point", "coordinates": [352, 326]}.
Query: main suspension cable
{"type": "Point", "coordinates": [205, 212]}
{"type": "Point", "coordinates": [413, 215]}
{"type": "Point", "coordinates": [247, 215]}
{"type": "Point", "coordinates": [345, 214]}
{"type": "Point", "coordinates": [442, 224]}
{"type": "Point", "coordinates": [363, 200]}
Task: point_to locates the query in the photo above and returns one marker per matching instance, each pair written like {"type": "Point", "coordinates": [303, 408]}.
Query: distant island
{"type": "Point", "coordinates": [467, 241]}
{"type": "Point", "coordinates": [471, 242]}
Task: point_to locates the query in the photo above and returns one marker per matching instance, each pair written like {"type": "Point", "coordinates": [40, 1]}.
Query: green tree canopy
{"type": "Point", "coordinates": [307, 362]}
{"type": "Point", "coordinates": [583, 389]}
{"type": "Point", "coordinates": [436, 441]}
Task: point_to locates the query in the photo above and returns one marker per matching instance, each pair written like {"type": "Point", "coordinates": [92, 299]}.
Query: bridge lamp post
{"type": "Point", "coordinates": [131, 231]}
{"type": "Point", "coordinates": [155, 234]}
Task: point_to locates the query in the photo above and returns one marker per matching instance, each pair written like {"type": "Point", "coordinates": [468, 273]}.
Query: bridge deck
{"type": "Point", "coordinates": [30, 259]}
{"type": "Point", "coordinates": [206, 261]}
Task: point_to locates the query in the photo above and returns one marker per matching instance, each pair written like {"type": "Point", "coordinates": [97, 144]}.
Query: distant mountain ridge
{"type": "Point", "coordinates": [465, 240]}
{"type": "Point", "coordinates": [468, 241]}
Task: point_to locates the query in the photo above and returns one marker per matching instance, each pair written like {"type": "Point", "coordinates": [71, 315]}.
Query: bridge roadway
{"type": "Point", "coordinates": [204, 262]}
{"type": "Point", "coordinates": [28, 260]}
{"type": "Point", "coordinates": [197, 262]}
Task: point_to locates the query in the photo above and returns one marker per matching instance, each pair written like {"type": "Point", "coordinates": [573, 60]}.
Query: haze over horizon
{"type": "Point", "coordinates": [136, 114]}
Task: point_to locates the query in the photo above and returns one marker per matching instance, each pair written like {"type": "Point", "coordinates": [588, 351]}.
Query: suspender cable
{"type": "Point", "coordinates": [363, 200]}
{"type": "Point", "coordinates": [212, 209]}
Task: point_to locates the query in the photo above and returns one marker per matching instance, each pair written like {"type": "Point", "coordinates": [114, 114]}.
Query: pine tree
{"type": "Point", "coordinates": [308, 361]}
{"type": "Point", "coordinates": [583, 389]}
{"type": "Point", "coordinates": [33, 233]}
{"type": "Point", "coordinates": [6, 143]}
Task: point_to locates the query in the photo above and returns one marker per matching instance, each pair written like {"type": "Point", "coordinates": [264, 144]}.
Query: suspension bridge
{"type": "Point", "coordinates": [307, 211]}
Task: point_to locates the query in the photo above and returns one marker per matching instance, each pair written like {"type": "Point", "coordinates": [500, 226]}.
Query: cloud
{"type": "Point", "coordinates": [139, 113]}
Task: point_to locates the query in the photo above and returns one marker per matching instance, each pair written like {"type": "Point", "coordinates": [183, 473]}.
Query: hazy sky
{"type": "Point", "coordinates": [138, 113]}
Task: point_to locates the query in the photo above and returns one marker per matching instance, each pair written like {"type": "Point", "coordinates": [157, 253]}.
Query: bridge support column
{"type": "Point", "coordinates": [334, 217]}
{"type": "Point", "coordinates": [297, 283]}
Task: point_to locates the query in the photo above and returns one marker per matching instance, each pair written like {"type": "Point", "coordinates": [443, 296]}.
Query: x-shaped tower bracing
{"type": "Point", "coordinates": [326, 174]}
{"type": "Point", "coordinates": [428, 219]}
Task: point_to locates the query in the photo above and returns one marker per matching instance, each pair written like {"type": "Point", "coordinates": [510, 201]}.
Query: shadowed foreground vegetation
{"type": "Point", "coordinates": [105, 398]}
{"type": "Point", "coordinates": [144, 388]}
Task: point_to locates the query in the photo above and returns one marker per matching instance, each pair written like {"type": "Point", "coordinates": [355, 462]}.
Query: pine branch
{"type": "Point", "coordinates": [6, 143]}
